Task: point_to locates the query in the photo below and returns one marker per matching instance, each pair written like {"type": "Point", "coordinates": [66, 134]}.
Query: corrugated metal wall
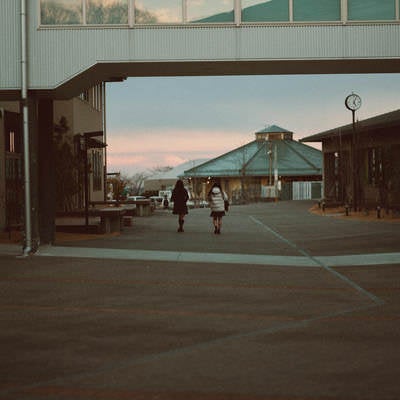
{"type": "Point", "coordinates": [10, 52]}
{"type": "Point", "coordinates": [57, 55]}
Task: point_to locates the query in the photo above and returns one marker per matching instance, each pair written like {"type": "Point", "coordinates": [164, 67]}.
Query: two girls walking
{"type": "Point", "coordinates": [217, 199]}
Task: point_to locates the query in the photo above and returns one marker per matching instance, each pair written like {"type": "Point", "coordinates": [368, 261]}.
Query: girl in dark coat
{"type": "Point", "coordinates": [180, 196]}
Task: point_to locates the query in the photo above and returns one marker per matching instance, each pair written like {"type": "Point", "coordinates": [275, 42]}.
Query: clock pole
{"type": "Point", "coordinates": [353, 103]}
{"type": "Point", "coordinates": [355, 164]}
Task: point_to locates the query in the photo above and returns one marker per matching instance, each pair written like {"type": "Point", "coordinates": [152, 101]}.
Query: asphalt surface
{"type": "Point", "coordinates": [283, 304]}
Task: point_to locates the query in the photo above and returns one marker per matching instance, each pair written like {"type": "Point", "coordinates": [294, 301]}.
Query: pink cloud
{"type": "Point", "coordinates": [176, 140]}
{"type": "Point", "coordinates": [141, 150]}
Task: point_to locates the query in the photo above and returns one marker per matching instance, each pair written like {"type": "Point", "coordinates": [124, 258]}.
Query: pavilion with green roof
{"type": "Point", "coordinates": [272, 165]}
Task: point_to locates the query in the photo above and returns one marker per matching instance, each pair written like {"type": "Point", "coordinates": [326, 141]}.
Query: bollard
{"type": "Point", "coordinates": [378, 212]}
{"type": "Point", "coordinates": [347, 210]}
{"type": "Point", "coordinates": [323, 206]}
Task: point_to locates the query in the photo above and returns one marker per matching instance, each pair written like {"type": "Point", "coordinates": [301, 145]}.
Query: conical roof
{"type": "Point", "coordinates": [273, 129]}
{"type": "Point", "coordinates": [293, 159]}
{"type": "Point", "coordinates": [254, 159]}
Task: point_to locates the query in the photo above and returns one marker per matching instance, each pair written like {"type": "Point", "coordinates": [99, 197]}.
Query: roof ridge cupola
{"type": "Point", "coordinates": [273, 132]}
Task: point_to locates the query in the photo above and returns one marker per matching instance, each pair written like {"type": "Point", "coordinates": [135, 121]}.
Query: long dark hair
{"type": "Point", "coordinates": [179, 187]}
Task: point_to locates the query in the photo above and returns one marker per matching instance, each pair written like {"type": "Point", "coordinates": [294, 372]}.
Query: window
{"type": "Point", "coordinates": [157, 12]}
{"type": "Point", "coordinates": [97, 98]}
{"type": "Point", "coordinates": [61, 12]}
{"type": "Point", "coordinates": [210, 11]}
{"type": "Point", "coordinates": [316, 10]}
{"type": "Point", "coordinates": [97, 168]}
{"type": "Point", "coordinates": [13, 170]}
{"type": "Point", "coordinates": [107, 12]}
{"type": "Point", "coordinates": [93, 96]}
{"type": "Point", "coordinates": [368, 10]}
{"type": "Point", "coordinates": [11, 147]}
{"type": "Point", "coordinates": [261, 11]}
{"type": "Point", "coordinates": [84, 95]}
{"type": "Point", "coordinates": [375, 166]}
{"type": "Point", "coordinates": [124, 12]}
{"type": "Point", "coordinates": [393, 169]}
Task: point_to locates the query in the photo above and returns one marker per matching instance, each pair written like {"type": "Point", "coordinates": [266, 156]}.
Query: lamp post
{"type": "Point", "coordinates": [84, 149]}
{"type": "Point", "coordinates": [353, 103]}
{"type": "Point", "coordinates": [276, 171]}
{"type": "Point", "coordinates": [269, 153]}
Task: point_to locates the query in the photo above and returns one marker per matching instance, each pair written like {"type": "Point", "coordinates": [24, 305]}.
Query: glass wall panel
{"type": "Point", "coordinates": [316, 10]}
{"type": "Point", "coordinates": [367, 10]}
{"type": "Point", "coordinates": [260, 11]}
{"type": "Point", "coordinates": [210, 11]}
{"type": "Point", "coordinates": [60, 12]}
{"type": "Point", "coordinates": [158, 11]}
{"type": "Point", "coordinates": [107, 11]}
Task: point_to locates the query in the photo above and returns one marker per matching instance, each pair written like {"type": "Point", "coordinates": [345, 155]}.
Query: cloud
{"type": "Point", "coordinates": [144, 149]}
{"type": "Point", "coordinates": [174, 140]}
{"type": "Point", "coordinates": [124, 159]}
{"type": "Point", "coordinates": [172, 160]}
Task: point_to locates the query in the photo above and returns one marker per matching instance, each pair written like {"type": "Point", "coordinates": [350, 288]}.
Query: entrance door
{"type": "Point", "coordinates": [13, 172]}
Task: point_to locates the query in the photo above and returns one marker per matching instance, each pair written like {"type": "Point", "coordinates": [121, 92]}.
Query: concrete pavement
{"type": "Point", "coordinates": [282, 305]}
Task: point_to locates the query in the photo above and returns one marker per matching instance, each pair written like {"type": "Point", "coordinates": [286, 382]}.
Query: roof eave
{"type": "Point", "coordinates": [386, 120]}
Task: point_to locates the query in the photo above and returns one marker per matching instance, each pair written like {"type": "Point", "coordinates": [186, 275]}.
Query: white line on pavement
{"type": "Point", "coordinates": [223, 258]}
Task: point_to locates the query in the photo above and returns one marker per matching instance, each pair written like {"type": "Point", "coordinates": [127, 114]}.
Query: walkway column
{"type": "Point", "coordinates": [43, 188]}
{"type": "Point", "coordinates": [33, 173]}
{"type": "Point", "coordinates": [46, 172]}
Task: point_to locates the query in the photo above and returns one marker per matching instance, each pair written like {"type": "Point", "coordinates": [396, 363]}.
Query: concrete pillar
{"type": "Point", "coordinates": [47, 184]}
{"type": "Point", "coordinates": [42, 169]}
{"type": "Point", "coordinates": [2, 173]}
{"type": "Point", "coordinates": [33, 167]}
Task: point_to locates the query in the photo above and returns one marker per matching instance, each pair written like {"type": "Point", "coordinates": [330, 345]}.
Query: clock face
{"type": "Point", "coordinates": [353, 102]}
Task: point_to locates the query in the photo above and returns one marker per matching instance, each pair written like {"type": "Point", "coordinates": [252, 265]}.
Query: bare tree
{"type": "Point", "coordinates": [67, 167]}
{"type": "Point", "coordinates": [116, 186]}
{"type": "Point", "coordinates": [135, 183]}
{"type": "Point", "coordinates": [125, 184]}
{"type": "Point", "coordinates": [159, 169]}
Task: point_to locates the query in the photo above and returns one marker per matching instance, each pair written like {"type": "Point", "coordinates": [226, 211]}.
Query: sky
{"type": "Point", "coordinates": [157, 122]}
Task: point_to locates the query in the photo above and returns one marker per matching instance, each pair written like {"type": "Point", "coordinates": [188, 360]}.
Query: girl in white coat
{"type": "Point", "coordinates": [216, 199]}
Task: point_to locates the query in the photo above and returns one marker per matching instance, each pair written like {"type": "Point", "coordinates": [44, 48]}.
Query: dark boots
{"type": "Point", "coordinates": [181, 222]}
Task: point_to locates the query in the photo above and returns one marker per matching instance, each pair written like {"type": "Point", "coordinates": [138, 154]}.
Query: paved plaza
{"type": "Point", "coordinates": [283, 305]}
